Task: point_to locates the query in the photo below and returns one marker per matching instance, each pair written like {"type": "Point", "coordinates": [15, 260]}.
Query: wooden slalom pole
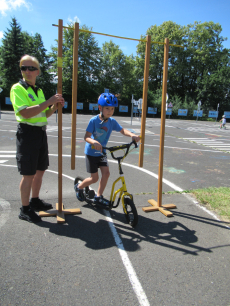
{"type": "Point", "coordinates": [74, 94]}
{"type": "Point", "coordinates": [158, 205]}
{"type": "Point", "coordinates": [60, 211]}
{"type": "Point", "coordinates": [144, 102]}
{"type": "Point", "coordinates": [59, 91]}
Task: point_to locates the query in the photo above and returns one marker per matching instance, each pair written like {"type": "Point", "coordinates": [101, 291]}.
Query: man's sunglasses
{"type": "Point", "coordinates": [30, 68]}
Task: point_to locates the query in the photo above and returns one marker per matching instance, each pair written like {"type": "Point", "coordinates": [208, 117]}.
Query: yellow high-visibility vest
{"type": "Point", "coordinates": [22, 96]}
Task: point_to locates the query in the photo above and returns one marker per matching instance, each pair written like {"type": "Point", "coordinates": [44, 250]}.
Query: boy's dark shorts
{"type": "Point", "coordinates": [94, 162]}
{"type": "Point", "coordinates": [32, 149]}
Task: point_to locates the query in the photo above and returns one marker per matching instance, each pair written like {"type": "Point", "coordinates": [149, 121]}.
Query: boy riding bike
{"type": "Point", "coordinates": [97, 135]}
{"type": "Point", "coordinates": [223, 122]}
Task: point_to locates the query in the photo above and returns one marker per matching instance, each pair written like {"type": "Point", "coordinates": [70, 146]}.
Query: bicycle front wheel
{"type": "Point", "coordinates": [130, 212]}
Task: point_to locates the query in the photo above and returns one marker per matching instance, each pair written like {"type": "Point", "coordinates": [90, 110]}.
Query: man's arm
{"type": "Point", "coordinates": [32, 111]}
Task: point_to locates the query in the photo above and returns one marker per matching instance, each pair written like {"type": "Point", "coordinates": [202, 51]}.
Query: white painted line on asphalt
{"type": "Point", "coordinates": [208, 140]}
{"type": "Point", "coordinates": [178, 148]}
{"type": "Point", "coordinates": [142, 298]}
{"type": "Point", "coordinates": [3, 161]}
{"type": "Point", "coordinates": [209, 144]}
{"type": "Point", "coordinates": [203, 141]}
{"type": "Point", "coordinates": [5, 211]}
{"type": "Point", "coordinates": [220, 146]}
{"type": "Point", "coordinates": [175, 187]}
{"type": "Point", "coordinates": [7, 156]}
{"type": "Point", "coordinates": [14, 131]}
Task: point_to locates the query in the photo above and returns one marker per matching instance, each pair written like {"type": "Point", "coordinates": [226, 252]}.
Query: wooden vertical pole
{"type": "Point", "coordinates": [60, 212]}
{"type": "Point", "coordinates": [163, 111]}
{"type": "Point", "coordinates": [74, 94]}
{"type": "Point", "coordinates": [59, 90]}
{"type": "Point", "coordinates": [157, 205]}
{"type": "Point", "coordinates": [144, 102]}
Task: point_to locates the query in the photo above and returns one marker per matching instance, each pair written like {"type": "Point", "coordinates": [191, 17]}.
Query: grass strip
{"type": "Point", "coordinates": [216, 199]}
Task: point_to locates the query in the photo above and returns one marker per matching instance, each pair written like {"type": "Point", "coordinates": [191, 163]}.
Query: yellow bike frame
{"type": "Point", "coordinates": [123, 192]}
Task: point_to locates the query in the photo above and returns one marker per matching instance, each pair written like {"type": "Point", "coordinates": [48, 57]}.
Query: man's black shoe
{"type": "Point", "coordinates": [38, 204]}
{"type": "Point", "coordinates": [29, 215]}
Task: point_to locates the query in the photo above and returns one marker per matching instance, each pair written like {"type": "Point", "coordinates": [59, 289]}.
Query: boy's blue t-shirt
{"type": "Point", "coordinates": [100, 132]}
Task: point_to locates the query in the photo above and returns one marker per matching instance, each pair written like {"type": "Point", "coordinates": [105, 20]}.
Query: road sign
{"type": "Point", "coordinates": [197, 113]}
{"type": "Point", "coordinates": [152, 110]}
{"type": "Point", "coordinates": [227, 114]}
{"type": "Point", "coordinates": [213, 114]}
{"type": "Point", "coordinates": [1, 90]}
{"type": "Point", "coordinates": [170, 105]}
{"type": "Point", "coordinates": [169, 112]}
{"type": "Point", "coordinates": [7, 101]}
{"type": "Point", "coordinates": [106, 90]}
{"type": "Point", "coordinates": [182, 112]}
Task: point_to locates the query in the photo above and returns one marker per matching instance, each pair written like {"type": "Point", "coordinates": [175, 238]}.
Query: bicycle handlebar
{"type": "Point", "coordinates": [116, 148]}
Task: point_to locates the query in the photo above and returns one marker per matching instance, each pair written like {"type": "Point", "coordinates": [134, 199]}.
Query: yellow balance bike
{"type": "Point", "coordinates": [121, 194]}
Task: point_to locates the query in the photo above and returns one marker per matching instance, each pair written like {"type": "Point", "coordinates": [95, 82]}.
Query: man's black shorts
{"type": "Point", "coordinates": [32, 149]}
{"type": "Point", "coordinates": [95, 162]}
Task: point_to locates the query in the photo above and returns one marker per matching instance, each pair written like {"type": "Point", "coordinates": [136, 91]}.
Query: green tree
{"type": "Point", "coordinates": [15, 44]}
{"type": "Point", "coordinates": [34, 46]}
{"type": "Point", "coordinates": [112, 66]}
{"type": "Point", "coordinates": [11, 51]}
{"type": "Point", "coordinates": [129, 81]}
{"type": "Point", "coordinates": [177, 60]}
{"type": "Point", "coordinates": [88, 65]}
{"type": "Point", "coordinates": [209, 64]}
{"type": "Point", "coordinates": [200, 71]}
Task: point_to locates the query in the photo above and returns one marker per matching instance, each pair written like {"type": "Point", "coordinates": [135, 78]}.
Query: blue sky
{"type": "Point", "coordinates": [122, 18]}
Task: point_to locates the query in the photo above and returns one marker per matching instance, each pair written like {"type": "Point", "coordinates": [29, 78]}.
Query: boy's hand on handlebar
{"type": "Point", "coordinates": [136, 138]}
{"type": "Point", "coordinates": [97, 146]}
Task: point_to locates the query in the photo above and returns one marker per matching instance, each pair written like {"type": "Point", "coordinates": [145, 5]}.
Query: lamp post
{"type": "Point", "coordinates": [217, 111]}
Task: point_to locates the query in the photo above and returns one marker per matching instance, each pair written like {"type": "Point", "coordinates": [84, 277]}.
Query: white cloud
{"type": "Point", "coordinates": [1, 34]}
{"type": "Point", "coordinates": [12, 5]}
{"type": "Point", "coordinates": [70, 20]}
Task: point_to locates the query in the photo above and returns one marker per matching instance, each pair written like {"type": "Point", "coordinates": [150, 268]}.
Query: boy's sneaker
{"type": "Point", "coordinates": [79, 193]}
{"type": "Point", "coordinates": [38, 204]}
{"type": "Point", "coordinates": [101, 201]}
{"type": "Point", "coordinates": [29, 215]}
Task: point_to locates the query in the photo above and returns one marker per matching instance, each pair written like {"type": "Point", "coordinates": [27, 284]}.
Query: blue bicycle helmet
{"type": "Point", "coordinates": [108, 99]}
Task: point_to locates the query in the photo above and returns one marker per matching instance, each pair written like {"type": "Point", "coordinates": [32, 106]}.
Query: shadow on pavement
{"type": "Point", "coordinates": [97, 235]}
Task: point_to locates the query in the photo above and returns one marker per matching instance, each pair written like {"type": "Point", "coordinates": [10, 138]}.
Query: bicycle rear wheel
{"type": "Point", "coordinates": [131, 212]}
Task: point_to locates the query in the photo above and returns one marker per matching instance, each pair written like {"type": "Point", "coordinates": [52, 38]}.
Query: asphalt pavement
{"type": "Point", "coordinates": [96, 258]}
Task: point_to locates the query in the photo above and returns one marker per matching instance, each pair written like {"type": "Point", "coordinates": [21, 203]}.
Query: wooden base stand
{"type": "Point", "coordinates": [60, 214]}
{"type": "Point", "coordinates": [163, 209]}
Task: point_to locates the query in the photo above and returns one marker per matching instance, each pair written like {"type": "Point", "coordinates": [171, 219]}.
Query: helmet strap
{"type": "Point", "coordinates": [102, 116]}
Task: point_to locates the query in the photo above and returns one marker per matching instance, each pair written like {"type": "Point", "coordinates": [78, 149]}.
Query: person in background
{"type": "Point", "coordinates": [223, 122]}
{"type": "Point", "coordinates": [31, 111]}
